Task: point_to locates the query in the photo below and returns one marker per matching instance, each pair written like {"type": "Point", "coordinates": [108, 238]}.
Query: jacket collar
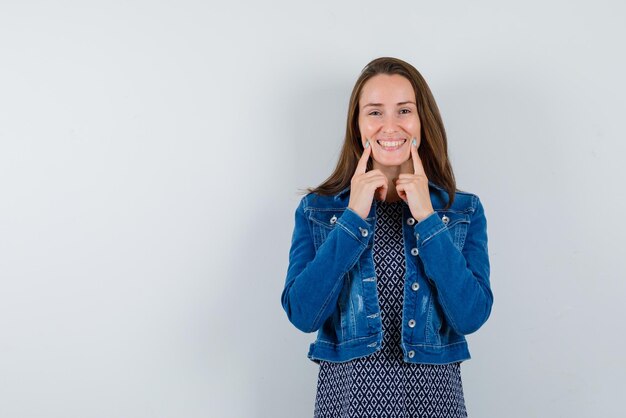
{"type": "Point", "coordinates": [347, 189]}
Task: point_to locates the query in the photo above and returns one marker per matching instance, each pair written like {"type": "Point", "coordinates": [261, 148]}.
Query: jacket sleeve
{"type": "Point", "coordinates": [460, 277]}
{"type": "Point", "coordinates": [315, 278]}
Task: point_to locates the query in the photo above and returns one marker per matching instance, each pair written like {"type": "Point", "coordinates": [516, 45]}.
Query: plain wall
{"type": "Point", "coordinates": [150, 157]}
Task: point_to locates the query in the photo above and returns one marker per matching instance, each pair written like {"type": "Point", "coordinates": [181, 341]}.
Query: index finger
{"type": "Point", "coordinates": [418, 168]}
{"type": "Point", "coordinates": [362, 165]}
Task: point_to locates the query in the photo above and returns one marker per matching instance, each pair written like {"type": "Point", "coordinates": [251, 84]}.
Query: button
{"type": "Point", "coordinates": [364, 231]}
{"type": "Point", "coordinates": [411, 323]}
{"type": "Point", "coordinates": [445, 219]}
{"type": "Point", "coordinates": [333, 219]}
{"type": "Point", "coordinates": [415, 286]}
{"type": "Point", "coordinates": [410, 221]}
{"type": "Point", "coordinates": [414, 251]}
{"type": "Point", "coordinates": [411, 354]}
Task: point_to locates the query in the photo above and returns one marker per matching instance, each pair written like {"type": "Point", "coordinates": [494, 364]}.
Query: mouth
{"type": "Point", "coordinates": [391, 145]}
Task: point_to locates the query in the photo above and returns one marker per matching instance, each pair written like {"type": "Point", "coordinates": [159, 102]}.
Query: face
{"type": "Point", "coordinates": [388, 117]}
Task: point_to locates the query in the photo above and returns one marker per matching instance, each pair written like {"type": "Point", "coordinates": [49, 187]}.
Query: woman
{"type": "Point", "coordinates": [388, 260]}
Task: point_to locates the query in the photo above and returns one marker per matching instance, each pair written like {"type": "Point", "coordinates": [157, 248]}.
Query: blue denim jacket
{"type": "Point", "coordinates": [331, 281]}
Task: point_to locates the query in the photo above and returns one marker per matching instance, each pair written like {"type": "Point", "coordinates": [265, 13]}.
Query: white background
{"type": "Point", "coordinates": [150, 155]}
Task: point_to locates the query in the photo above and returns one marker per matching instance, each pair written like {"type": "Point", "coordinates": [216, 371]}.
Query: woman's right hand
{"type": "Point", "coordinates": [364, 185]}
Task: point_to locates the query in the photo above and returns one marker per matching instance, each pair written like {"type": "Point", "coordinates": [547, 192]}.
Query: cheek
{"type": "Point", "coordinates": [366, 127]}
{"type": "Point", "coordinates": [412, 125]}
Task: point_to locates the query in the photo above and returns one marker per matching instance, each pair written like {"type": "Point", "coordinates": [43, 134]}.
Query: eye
{"type": "Point", "coordinates": [407, 111]}
{"type": "Point", "coordinates": [374, 111]}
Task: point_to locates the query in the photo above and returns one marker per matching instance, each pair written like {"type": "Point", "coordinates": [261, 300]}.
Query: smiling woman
{"type": "Point", "coordinates": [389, 260]}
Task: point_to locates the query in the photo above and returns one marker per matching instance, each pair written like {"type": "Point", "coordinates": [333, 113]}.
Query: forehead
{"type": "Point", "coordinates": [382, 88]}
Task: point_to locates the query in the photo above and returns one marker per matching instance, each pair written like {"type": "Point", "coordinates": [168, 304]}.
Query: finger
{"type": "Point", "coordinates": [384, 192]}
{"type": "Point", "coordinates": [380, 181]}
{"type": "Point", "coordinates": [362, 164]}
{"type": "Point", "coordinates": [401, 192]}
{"type": "Point", "coordinates": [403, 184]}
{"type": "Point", "coordinates": [417, 162]}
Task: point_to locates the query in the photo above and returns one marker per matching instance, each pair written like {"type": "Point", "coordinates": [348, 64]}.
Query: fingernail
{"type": "Point", "coordinates": [414, 141]}
{"type": "Point", "coordinates": [367, 143]}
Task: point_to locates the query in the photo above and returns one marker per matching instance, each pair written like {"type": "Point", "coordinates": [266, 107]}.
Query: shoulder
{"type": "Point", "coordinates": [471, 203]}
{"type": "Point", "coordinates": [469, 199]}
{"type": "Point", "coordinates": [312, 201]}
{"type": "Point", "coordinates": [464, 201]}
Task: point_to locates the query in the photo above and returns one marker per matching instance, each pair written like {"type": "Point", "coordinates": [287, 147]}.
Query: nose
{"type": "Point", "coordinates": [389, 124]}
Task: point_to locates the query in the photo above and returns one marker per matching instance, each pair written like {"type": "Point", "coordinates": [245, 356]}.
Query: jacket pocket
{"type": "Point", "coordinates": [457, 224]}
{"type": "Point", "coordinates": [433, 322]}
{"type": "Point", "coordinates": [438, 330]}
{"type": "Point", "coordinates": [345, 308]}
{"type": "Point", "coordinates": [323, 221]}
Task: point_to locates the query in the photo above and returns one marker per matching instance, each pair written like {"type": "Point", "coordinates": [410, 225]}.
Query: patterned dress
{"type": "Point", "coordinates": [382, 384]}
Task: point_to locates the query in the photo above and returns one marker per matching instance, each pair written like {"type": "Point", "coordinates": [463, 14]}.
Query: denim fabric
{"type": "Point", "coordinates": [331, 282]}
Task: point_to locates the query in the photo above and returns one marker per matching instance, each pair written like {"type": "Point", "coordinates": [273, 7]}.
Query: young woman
{"type": "Point", "coordinates": [389, 260]}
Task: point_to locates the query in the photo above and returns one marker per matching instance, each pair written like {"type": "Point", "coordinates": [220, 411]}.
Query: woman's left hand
{"type": "Point", "coordinates": [413, 188]}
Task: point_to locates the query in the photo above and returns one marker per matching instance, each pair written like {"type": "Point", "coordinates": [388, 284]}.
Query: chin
{"type": "Point", "coordinates": [394, 161]}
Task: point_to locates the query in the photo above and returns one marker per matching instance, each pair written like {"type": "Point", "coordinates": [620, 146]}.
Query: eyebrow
{"type": "Point", "coordinates": [380, 104]}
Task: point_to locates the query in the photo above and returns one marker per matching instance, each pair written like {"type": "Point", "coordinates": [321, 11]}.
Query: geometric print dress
{"type": "Point", "coordinates": [382, 384]}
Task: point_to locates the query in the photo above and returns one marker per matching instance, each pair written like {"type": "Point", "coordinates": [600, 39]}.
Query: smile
{"type": "Point", "coordinates": [391, 145]}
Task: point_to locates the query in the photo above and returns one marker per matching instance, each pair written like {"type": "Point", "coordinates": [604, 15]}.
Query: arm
{"type": "Point", "coordinates": [314, 280]}
{"type": "Point", "coordinates": [460, 277]}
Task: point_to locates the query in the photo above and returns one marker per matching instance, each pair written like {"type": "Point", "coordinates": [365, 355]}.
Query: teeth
{"type": "Point", "coordinates": [391, 143]}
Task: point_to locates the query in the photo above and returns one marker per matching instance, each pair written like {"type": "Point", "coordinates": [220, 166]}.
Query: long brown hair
{"type": "Point", "coordinates": [433, 149]}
